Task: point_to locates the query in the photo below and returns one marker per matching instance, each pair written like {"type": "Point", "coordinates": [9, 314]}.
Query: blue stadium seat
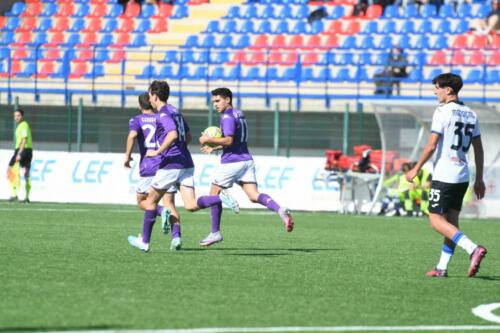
{"type": "Point", "coordinates": [77, 25]}
{"type": "Point", "coordinates": [349, 42]}
{"type": "Point", "coordinates": [325, 74]}
{"type": "Point", "coordinates": [285, 12]}
{"type": "Point", "coordinates": [226, 42]}
{"type": "Point", "coordinates": [475, 76]}
{"type": "Point", "coordinates": [213, 27]}
{"type": "Point", "coordinates": [443, 27]}
{"type": "Point", "coordinates": [208, 41]}
{"type": "Point", "coordinates": [461, 27]}
{"type": "Point", "coordinates": [432, 74]}
{"type": "Point", "coordinates": [230, 27]}
{"type": "Point", "coordinates": [464, 10]}
{"type": "Point", "coordinates": [247, 27]}
{"type": "Point", "coordinates": [307, 74]}
{"type": "Point", "coordinates": [147, 10]}
{"type": "Point", "coordinates": [440, 43]}
{"type": "Point", "coordinates": [272, 74]}
{"type": "Point", "coordinates": [233, 13]}
{"type": "Point", "coordinates": [300, 27]}
{"type": "Point", "coordinates": [40, 39]}
{"type": "Point", "coordinates": [391, 11]}
{"type": "Point", "coordinates": [96, 71]}
{"type": "Point", "coordinates": [188, 57]}
{"type": "Point", "coordinates": [82, 11]}
{"type": "Point", "coordinates": [201, 57]}
{"type": "Point", "coordinates": [410, 11]}
{"type": "Point", "coordinates": [243, 41]}
{"type": "Point", "coordinates": [12, 24]}
{"type": "Point", "coordinates": [143, 26]}
{"type": "Point", "coordinates": [366, 43]}
{"type": "Point", "coordinates": [342, 75]}
{"type": "Point", "coordinates": [428, 11]}
{"type": "Point", "coordinates": [385, 43]}
{"type": "Point", "coordinates": [253, 74]}
{"type": "Point", "coordinates": [405, 42]}
{"type": "Point", "coordinates": [148, 72]}
{"type": "Point", "coordinates": [316, 27]}
{"type": "Point", "coordinates": [166, 72]}
{"type": "Point", "coordinates": [389, 27]}
{"type": "Point", "coordinates": [16, 10]}
{"type": "Point", "coordinates": [408, 27]}
{"type": "Point", "coordinates": [4, 53]}
{"type": "Point", "coordinates": [101, 55]}
{"type": "Point", "coordinates": [180, 12]}
{"type": "Point", "coordinates": [381, 59]}
{"type": "Point", "coordinates": [370, 27]}
{"type": "Point", "coordinates": [44, 25]}
{"type": "Point", "coordinates": [290, 74]}
{"type": "Point", "coordinates": [217, 73]}
{"type": "Point", "coordinates": [28, 71]}
{"type": "Point", "coordinates": [268, 12]}
{"type": "Point", "coordinates": [414, 76]}
{"type": "Point", "coordinates": [219, 57]}
{"type": "Point", "coordinates": [302, 12]}
{"type": "Point", "coordinates": [364, 58]}
{"type": "Point", "coordinates": [171, 57]}
{"type": "Point", "coordinates": [251, 12]}
{"type": "Point", "coordinates": [111, 25]}
{"type": "Point", "coordinates": [234, 73]}
{"type": "Point", "coordinates": [192, 41]}
{"type": "Point", "coordinates": [115, 11]}
{"type": "Point", "coordinates": [49, 10]}
{"type": "Point", "coordinates": [182, 73]}
{"type": "Point", "coordinates": [418, 59]}
{"type": "Point", "coordinates": [425, 27]}
{"type": "Point", "coordinates": [346, 58]}
{"type": "Point", "coordinates": [282, 27]}
{"type": "Point", "coordinates": [337, 12]}
{"type": "Point", "coordinates": [483, 11]}
{"type": "Point", "coordinates": [493, 76]}
{"type": "Point", "coordinates": [361, 75]}
{"type": "Point", "coordinates": [139, 41]}
{"type": "Point", "coordinates": [73, 39]}
{"type": "Point", "coordinates": [264, 28]}
{"type": "Point", "coordinates": [447, 11]}
{"type": "Point", "coordinates": [422, 42]}
{"type": "Point", "coordinates": [106, 39]}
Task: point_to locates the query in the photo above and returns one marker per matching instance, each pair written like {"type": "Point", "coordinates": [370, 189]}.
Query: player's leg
{"type": "Point", "coordinates": [214, 202]}
{"type": "Point", "coordinates": [171, 220]}
{"type": "Point", "coordinates": [13, 177]}
{"type": "Point", "coordinates": [25, 164]}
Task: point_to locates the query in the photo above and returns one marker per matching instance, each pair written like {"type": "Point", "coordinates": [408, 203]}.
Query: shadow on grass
{"type": "Point", "coordinates": [257, 250]}
{"type": "Point", "coordinates": [59, 329]}
{"type": "Point", "coordinates": [488, 278]}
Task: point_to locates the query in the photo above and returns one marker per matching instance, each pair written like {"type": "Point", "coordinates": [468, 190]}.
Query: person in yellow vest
{"type": "Point", "coordinates": [422, 183]}
{"type": "Point", "coordinates": [20, 162]}
{"type": "Point", "coordinates": [397, 189]}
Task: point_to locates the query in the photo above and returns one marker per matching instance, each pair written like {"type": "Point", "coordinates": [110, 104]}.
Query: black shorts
{"type": "Point", "coordinates": [446, 196]}
{"type": "Point", "coordinates": [26, 157]}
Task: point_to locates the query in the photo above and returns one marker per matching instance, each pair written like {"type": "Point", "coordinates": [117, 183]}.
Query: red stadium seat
{"type": "Point", "coordinates": [479, 42]}
{"type": "Point", "coordinates": [98, 10]}
{"type": "Point", "coordinates": [93, 25]}
{"type": "Point", "coordinates": [55, 39]}
{"type": "Point", "coordinates": [331, 41]}
{"type": "Point", "coordinates": [164, 11]}
{"type": "Point", "coordinates": [352, 27]}
{"type": "Point", "coordinates": [458, 58]}
{"type": "Point", "coordinates": [2, 21]}
{"type": "Point", "coordinates": [297, 42]}
{"type": "Point", "coordinates": [256, 57]}
{"type": "Point", "coordinates": [476, 58]}
{"type": "Point", "coordinates": [132, 10]}
{"type": "Point", "coordinates": [84, 54]}
{"type": "Point", "coordinates": [460, 42]}
{"type": "Point", "coordinates": [279, 41]}
{"type": "Point", "coordinates": [276, 57]}
{"type": "Point", "coordinates": [290, 58]}
{"type": "Point", "coordinates": [78, 70]}
{"type": "Point", "coordinates": [122, 40]}
{"type": "Point", "coordinates": [494, 58]}
{"type": "Point", "coordinates": [310, 59]}
{"type": "Point", "coordinates": [125, 25]}
{"type": "Point", "coordinates": [495, 42]}
{"type": "Point", "coordinates": [61, 25]}
{"type": "Point", "coordinates": [19, 54]}
{"type": "Point", "coordinates": [373, 12]}
{"type": "Point", "coordinates": [314, 42]}
{"type": "Point", "coordinates": [336, 27]}
{"type": "Point", "coordinates": [28, 24]}
{"type": "Point", "coordinates": [159, 25]}
{"type": "Point", "coordinates": [52, 54]}
{"type": "Point", "coordinates": [117, 56]}
{"type": "Point", "coordinates": [438, 58]}
{"type": "Point", "coordinates": [98, 2]}
{"type": "Point", "coordinates": [88, 39]}
{"type": "Point", "coordinates": [65, 10]}
{"type": "Point", "coordinates": [46, 69]}
{"type": "Point", "coordinates": [65, 1]}
{"type": "Point", "coordinates": [32, 9]}
{"type": "Point", "coordinates": [22, 38]}
{"type": "Point", "coordinates": [240, 57]}
{"type": "Point", "coordinates": [261, 42]}
{"type": "Point", "coordinates": [14, 69]}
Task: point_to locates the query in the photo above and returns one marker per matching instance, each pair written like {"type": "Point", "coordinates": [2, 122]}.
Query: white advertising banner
{"type": "Point", "coordinates": [101, 178]}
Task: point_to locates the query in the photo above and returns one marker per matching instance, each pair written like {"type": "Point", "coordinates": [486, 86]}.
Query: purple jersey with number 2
{"type": "Point", "coordinates": [177, 156]}
{"type": "Point", "coordinates": [233, 123]}
{"type": "Point", "coordinates": [145, 126]}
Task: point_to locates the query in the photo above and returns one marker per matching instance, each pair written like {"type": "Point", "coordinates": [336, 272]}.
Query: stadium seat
{"type": "Point", "coordinates": [447, 11]}
{"type": "Point", "coordinates": [47, 68]}
{"type": "Point", "coordinates": [385, 43]}
{"type": "Point", "coordinates": [345, 58]}
{"type": "Point", "coordinates": [171, 57]}
{"type": "Point", "coordinates": [15, 67]}
{"type": "Point", "coordinates": [101, 55]}
{"type": "Point", "coordinates": [22, 38]}
{"type": "Point", "coordinates": [99, 10]}
{"type": "Point", "coordinates": [213, 27]}
{"type": "Point", "coordinates": [337, 13]}
{"type": "Point", "coordinates": [208, 41]}
{"type": "Point", "coordinates": [106, 40]}
{"type": "Point", "coordinates": [314, 42]}
{"type": "Point", "coordinates": [296, 42]}
{"type": "Point", "coordinates": [369, 28]}
{"type": "Point", "coordinates": [73, 39]}
{"type": "Point", "coordinates": [166, 72]}
{"type": "Point", "coordinates": [122, 40]}
{"type": "Point", "coordinates": [88, 39]}
{"type": "Point", "coordinates": [276, 57]}
{"type": "Point", "coordinates": [425, 27]}
{"type": "Point", "coordinates": [93, 25]}
{"type": "Point", "coordinates": [201, 57]}
{"type": "Point", "coordinates": [261, 42]}
{"type": "Point", "coordinates": [302, 12]}
{"type": "Point", "coordinates": [438, 58]}
{"type": "Point", "coordinates": [474, 76]}
{"type": "Point", "coordinates": [78, 70]}
{"type": "Point", "coordinates": [282, 28]}
{"type": "Point", "coordinates": [253, 74]}
{"type": "Point", "coordinates": [242, 42]}
{"type": "Point", "coordinates": [300, 27]}
{"type": "Point", "coordinates": [366, 43]}
{"type": "Point", "coordinates": [458, 58]}
{"type": "Point", "coordinates": [373, 11]}
{"type": "Point", "coordinates": [217, 73]}
{"type": "Point", "coordinates": [364, 58]}
{"type": "Point", "coordinates": [251, 12]}
{"type": "Point", "coordinates": [60, 25]}
{"type": "Point", "coordinates": [494, 58]}
{"type": "Point", "coordinates": [148, 72]}
{"type": "Point", "coordinates": [391, 12]}
{"type": "Point", "coordinates": [381, 59]}
{"type": "Point", "coordinates": [342, 75]}
{"type": "Point", "coordinates": [476, 58]}
{"type": "Point", "coordinates": [405, 42]}
{"type": "Point", "coordinates": [460, 42]}
{"type": "Point", "coordinates": [410, 11]}
{"type": "Point", "coordinates": [414, 76]}
{"type": "Point", "coordinates": [495, 42]}
{"type": "Point", "coordinates": [408, 27]}
{"type": "Point", "coordinates": [180, 12]}
{"type": "Point", "coordinates": [44, 25]}
{"type": "Point", "coordinates": [335, 27]}
{"type": "Point", "coordinates": [310, 58]}
{"type": "Point", "coordinates": [33, 9]}
{"type": "Point", "coordinates": [464, 10]}
{"type": "Point", "coordinates": [432, 74]}
{"type": "Point", "coordinates": [19, 54]}
{"type": "Point", "coordinates": [28, 24]}
{"type": "Point", "coordinates": [428, 11]}
{"type": "Point", "coordinates": [16, 10]}
{"type": "Point", "coordinates": [41, 38]}
{"type": "Point", "coordinates": [285, 12]}
{"type": "Point", "coordinates": [443, 27]}
{"type": "Point", "coordinates": [268, 12]}
{"type": "Point", "coordinates": [110, 26]}
{"type": "Point", "coordinates": [55, 39]}
{"type": "Point", "coordinates": [278, 42]}
{"type": "Point", "coordinates": [191, 41]}
{"type": "Point", "coordinates": [389, 27]}
{"type": "Point", "coordinates": [115, 11]}
{"type": "Point", "coordinates": [139, 40]}
{"type": "Point", "coordinates": [147, 11]}
{"type": "Point", "coordinates": [492, 76]}
{"type": "Point", "coordinates": [77, 25]}
{"type": "Point", "coordinates": [219, 57]}
{"type": "Point", "coordinates": [272, 74]}
{"type": "Point", "coordinates": [65, 10]}
{"type": "Point", "coordinates": [164, 11]}
{"type": "Point", "coordinates": [28, 71]}
{"type": "Point", "coordinates": [255, 58]}
{"type": "Point", "coordinates": [12, 23]}
{"type": "Point", "coordinates": [479, 42]}
{"type": "Point", "coordinates": [118, 55]}
{"type": "Point", "coordinates": [264, 28]}
{"type": "Point", "coordinates": [440, 43]}
{"type": "Point", "coordinates": [230, 27]}
{"type": "Point", "coordinates": [84, 54]}
{"type": "Point", "coordinates": [240, 57]}
{"type": "Point", "coordinates": [82, 10]}
{"type": "Point", "coordinates": [125, 25]}
{"type": "Point", "coordinates": [349, 42]}
{"type": "Point", "coordinates": [352, 27]}
{"type": "Point", "coordinates": [247, 28]}
{"type": "Point", "coordinates": [159, 26]}
{"type": "Point", "coordinates": [233, 13]}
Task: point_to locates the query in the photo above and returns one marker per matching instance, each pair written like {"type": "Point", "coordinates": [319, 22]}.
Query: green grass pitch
{"type": "Point", "coordinates": [69, 267]}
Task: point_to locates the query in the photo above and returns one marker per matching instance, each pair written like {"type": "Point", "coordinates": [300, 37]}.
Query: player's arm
{"type": "Point", "coordinates": [130, 146]}
{"type": "Point", "coordinates": [169, 140]}
{"type": "Point", "coordinates": [479, 187]}
{"type": "Point", "coordinates": [21, 148]}
{"type": "Point", "coordinates": [429, 150]}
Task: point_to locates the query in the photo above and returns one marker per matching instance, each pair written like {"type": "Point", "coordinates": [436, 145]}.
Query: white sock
{"type": "Point", "coordinates": [466, 244]}
{"type": "Point", "coordinates": [444, 260]}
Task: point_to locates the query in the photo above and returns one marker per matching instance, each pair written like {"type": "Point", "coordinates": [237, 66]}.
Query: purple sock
{"type": "Point", "coordinates": [159, 210]}
{"type": "Point", "coordinates": [149, 221]}
{"type": "Point", "coordinates": [268, 202]}
{"type": "Point", "coordinates": [208, 200]}
{"type": "Point", "coordinates": [215, 216]}
{"type": "Point", "coordinates": [176, 230]}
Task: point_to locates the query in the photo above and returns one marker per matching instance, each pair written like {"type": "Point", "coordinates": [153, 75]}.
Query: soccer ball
{"type": "Point", "coordinates": [212, 132]}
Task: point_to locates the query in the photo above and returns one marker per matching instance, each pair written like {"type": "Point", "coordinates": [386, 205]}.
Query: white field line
{"type": "Point", "coordinates": [485, 311]}
{"type": "Point", "coordinates": [419, 328]}
{"type": "Point", "coordinates": [126, 210]}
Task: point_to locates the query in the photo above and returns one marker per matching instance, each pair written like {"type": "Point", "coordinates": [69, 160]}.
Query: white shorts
{"type": "Point", "coordinates": [144, 184]}
{"type": "Point", "coordinates": [238, 172]}
{"type": "Point", "coordinates": [166, 178]}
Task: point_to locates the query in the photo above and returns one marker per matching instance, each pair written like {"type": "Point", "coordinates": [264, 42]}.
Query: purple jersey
{"type": "Point", "coordinates": [177, 156]}
{"type": "Point", "coordinates": [233, 123]}
{"type": "Point", "coordinates": [145, 126]}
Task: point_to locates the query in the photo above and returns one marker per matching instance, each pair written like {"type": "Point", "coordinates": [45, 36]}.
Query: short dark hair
{"type": "Point", "coordinates": [224, 92]}
{"type": "Point", "coordinates": [144, 102]}
{"type": "Point", "coordinates": [160, 89]}
{"type": "Point", "coordinates": [451, 80]}
{"type": "Point", "coordinates": [20, 111]}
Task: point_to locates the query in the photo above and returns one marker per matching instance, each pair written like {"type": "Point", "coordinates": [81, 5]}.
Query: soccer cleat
{"type": "Point", "coordinates": [212, 238]}
{"type": "Point", "coordinates": [228, 200]}
{"type": "Point", "coordinates": [13, 199]}
{"type": "Point", "coordinates": [176, 244]}
{"type": "Point", "coordinates": [26, 200]}
{"type": "Point", "coordinates": [138, 243]}
{"type": "Point", "coordinates": [286, 216]}
{"type": "Point", "coordinates": [475, 260]}
{"type": "Point", "coordinates": [165, 221]}
{"type": "Point", "coordinates": [437, 273]}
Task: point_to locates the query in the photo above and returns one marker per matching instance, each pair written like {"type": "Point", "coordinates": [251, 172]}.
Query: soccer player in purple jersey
{"type": "Point", "coordinates": [237, 165]}
{"type": "Point", "coordinates": [175, 168]}
{"type": "Point", "coordinates": [142, 129]}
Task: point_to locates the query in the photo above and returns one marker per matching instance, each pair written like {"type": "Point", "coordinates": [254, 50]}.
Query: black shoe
{"type": "Point", "coordinates": [26, 200]}
{"type": "Point", "coordinates": [12, 199]}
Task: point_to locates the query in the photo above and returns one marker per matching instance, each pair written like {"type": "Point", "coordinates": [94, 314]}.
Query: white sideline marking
{"type": "Point", "coordinates": [305, 329]}
{"type": "Point", "coordinates": [485, 311]}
